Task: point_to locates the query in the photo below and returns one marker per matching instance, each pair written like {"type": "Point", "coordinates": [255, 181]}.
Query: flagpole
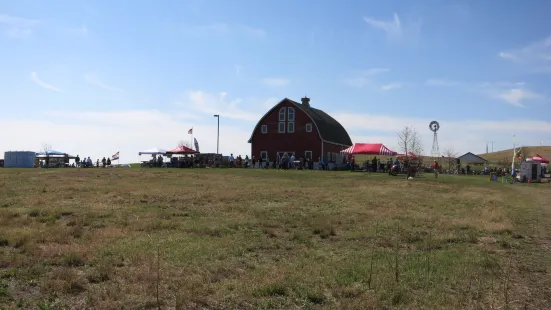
{"type": "Point", "coordinates": [514, 155]}
{"type": "Point", "coordinates": [191, 142]}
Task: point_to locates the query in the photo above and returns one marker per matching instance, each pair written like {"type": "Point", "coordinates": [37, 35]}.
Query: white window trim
{"type": "Point", "coordinates": [306, 154]}
{"type": "Point", "coordinates": [265, 153]}
{"type": "Point", "coordinates": [264, 128]}
{"type": "Point", "coordinates": [282, 112]}
{"type": "Point", "coordinates": [288, 129]}
{"type": "Point", "coordinates": [309, 125]}
{"type": "Point", "coordinates": [289, 114]}
{"type": "Point", "coordinates": [279, 127]}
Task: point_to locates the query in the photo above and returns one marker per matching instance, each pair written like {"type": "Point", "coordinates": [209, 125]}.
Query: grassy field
{"type": "Point", "coordinates": [256, 239]}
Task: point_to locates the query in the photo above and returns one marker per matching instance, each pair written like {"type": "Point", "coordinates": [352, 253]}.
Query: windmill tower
{"type": "Point", "coordinates": [435, 152]}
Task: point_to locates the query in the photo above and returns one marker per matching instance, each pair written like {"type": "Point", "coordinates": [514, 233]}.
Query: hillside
{"type": "Point", "coordinates": [529, 151]}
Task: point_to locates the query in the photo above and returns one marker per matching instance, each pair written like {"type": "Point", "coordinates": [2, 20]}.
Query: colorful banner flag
{"type": "Point", "coordinates": [196, 144]}
{"type": "Point", "coordinates": [115, 156]}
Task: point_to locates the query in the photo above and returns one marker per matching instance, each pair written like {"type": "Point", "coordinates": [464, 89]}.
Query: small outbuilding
{"type": "Point", "coordinates": [470, 158]}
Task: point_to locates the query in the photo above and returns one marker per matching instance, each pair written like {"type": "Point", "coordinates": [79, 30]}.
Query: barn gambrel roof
{"type": "Point", "coordinates": [329, 129]}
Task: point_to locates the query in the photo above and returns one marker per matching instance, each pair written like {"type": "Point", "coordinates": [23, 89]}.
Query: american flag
{"type": "Point", "coordinates": [115, 157]}
{"type": "Point", "coordinates": [189, 132]}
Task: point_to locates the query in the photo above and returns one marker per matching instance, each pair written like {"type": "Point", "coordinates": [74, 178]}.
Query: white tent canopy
{"type": "Point", "coordinates": [153, 151]}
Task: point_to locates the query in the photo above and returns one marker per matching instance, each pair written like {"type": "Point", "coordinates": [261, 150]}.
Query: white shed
{"type": "Point", "coordinates": [470, 158]}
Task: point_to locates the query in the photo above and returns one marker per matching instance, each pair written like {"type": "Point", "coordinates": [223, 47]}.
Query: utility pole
{"type": "Point", "coordinates": [217, 134]}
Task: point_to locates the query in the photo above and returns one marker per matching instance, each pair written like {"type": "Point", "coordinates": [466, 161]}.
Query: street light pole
{"type": "Point", "coordinates": [217, 134]}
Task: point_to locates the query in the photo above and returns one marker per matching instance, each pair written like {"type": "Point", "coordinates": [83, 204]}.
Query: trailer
{"type": "Point", "coordinates": [530, 171]}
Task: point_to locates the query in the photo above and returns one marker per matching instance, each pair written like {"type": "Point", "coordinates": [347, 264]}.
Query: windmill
{"type": "Point", "coordinates": [435, 152]}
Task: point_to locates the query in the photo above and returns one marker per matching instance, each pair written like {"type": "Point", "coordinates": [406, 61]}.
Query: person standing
{"type": "Point", "coordinates": [435, 167]}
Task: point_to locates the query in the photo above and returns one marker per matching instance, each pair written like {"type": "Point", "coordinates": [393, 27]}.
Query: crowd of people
{"type": "Point", "coordinates": [88, 163]}
{"type": "Point", "coordinates": [284, 162]}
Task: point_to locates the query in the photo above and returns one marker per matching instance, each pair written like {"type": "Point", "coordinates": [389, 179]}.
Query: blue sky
{"type": "Point", "coordinates": [95, 77]}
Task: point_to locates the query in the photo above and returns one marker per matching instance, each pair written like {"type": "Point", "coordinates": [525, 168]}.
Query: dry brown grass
{"type": "Point", "coordinates": [251, 239]}
{"type": "Point", "coordinates": [507, 155]}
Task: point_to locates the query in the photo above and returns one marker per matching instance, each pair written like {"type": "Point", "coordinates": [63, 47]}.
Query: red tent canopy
{"type": "Point", "coordinates": [368, 149]}
{"type": "Point", "coordinates": [182, 150]}
{"type": "Point", "coordinates": [541, 159]}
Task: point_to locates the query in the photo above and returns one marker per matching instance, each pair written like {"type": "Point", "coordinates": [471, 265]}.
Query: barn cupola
{"type": "Point", "coordinates": [305, 101]}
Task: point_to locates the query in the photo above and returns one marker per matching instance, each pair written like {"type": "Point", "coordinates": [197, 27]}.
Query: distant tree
{"type": "Point", "coordinates": [505, 162]}
{"type": "Point", "coordinates": [409, 141]}
{"type": "Point", "coordinates": [47, 148]}
{"type": "Point", "coordinates": [451, 154]}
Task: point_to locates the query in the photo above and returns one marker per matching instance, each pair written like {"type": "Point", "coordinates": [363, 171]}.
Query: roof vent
{"type": "Point", "coordinates": [305, 101]}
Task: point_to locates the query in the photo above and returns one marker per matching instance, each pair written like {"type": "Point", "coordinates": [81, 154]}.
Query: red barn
{"type": "Point", "coordinates": [297, 128]}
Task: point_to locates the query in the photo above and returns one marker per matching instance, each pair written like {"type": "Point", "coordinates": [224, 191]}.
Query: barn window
{"type": "Point", "coordinates": [291, 114]}
{"type": "Point", "coordinates": [309, 127]}
{"type": "Point", "coordinates": [291, 127]}
{"type": "Point", "coordinates": [281, 128]}
{"type": "Point", "coordinates": [263, 154]}
{"type": "Point", "coordinates": [282, 114]}
{"type": "Point", "coordinates": [308, 154]}
{"type": "Point", "coordinates": [264, 129]}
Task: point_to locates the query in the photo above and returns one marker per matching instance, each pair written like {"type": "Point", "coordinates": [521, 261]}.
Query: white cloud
{"type": "Point", "coordinates": [374, 71]}
{"type": "Point", "coordinates": [513, 93]}
{"type": "Point", "coordinates": [210, 104]}
{"type": "Point", "coordinates": [363, 78]}
{"type": "Point", "coordinates": [392, 28]}
{"type": "Point", "coordinates": [94, 80]}
{"type": "Point", "coordinates": [359, 82]}
{"type": "Point", "coordinates": [391, 86]}
{"type": "Point", "coordinates": [37, 80]}
{"type": "Point", "coordinates": [276, 82]}
{"type": "Point", "coordinates": [441, 82]}
{"type": "Point", "coordinates": [396, 30]}
{"type": "Point", "coordinates": [507, 55]}
{"type": "Point", "coordinates": [83, 30]}
{"type": "Point", "coordinates": [517, 96]}
{"type": "Point", "coordinates": [238, 70]}
{"type": "Point", "coordinates": [17, 27]}
{"type": "Point", "coordinates": [535, 56]}
{"type": "Point", "coordinates": [224, 30]}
